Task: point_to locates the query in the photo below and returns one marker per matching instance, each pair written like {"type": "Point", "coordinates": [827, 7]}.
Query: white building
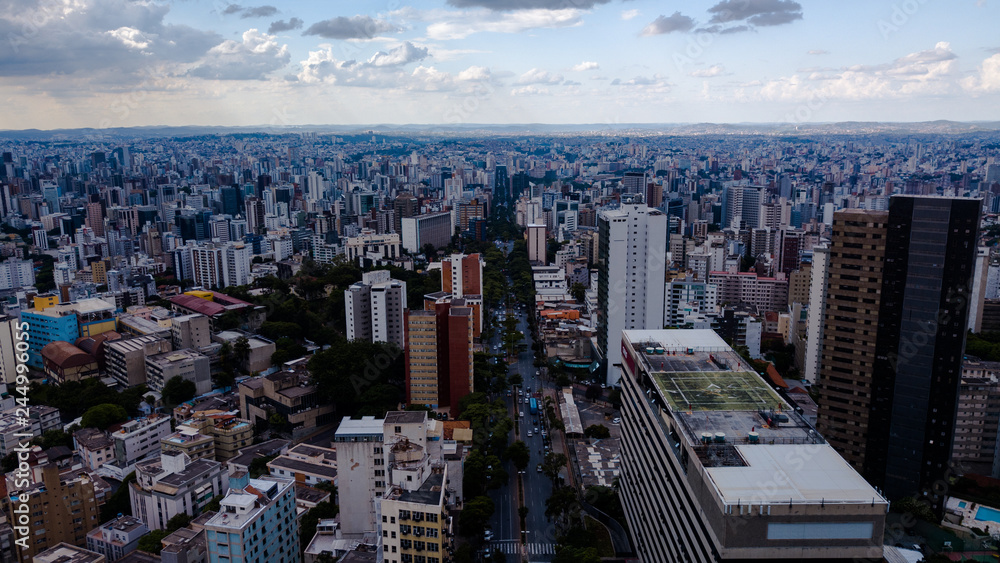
{"type": "Point", "coordinates": [15, 274]}
{"type": "Point", "coordinates": [172, 485]}
{"type": "Point", "coordinates": [817, 309]}
{"type": "Point", "coordinates": [688, 296]}
{"type": "Point", "coordinates": [536, 243]}
{"type": "Point", "coordinates": [117, 537]}
{"type": "Point", "coordinates": [361, 476]}
{"type": "Point", "coordinates": [139, 439]}
{"type": "Point", "coordinates": [375, 307]}
{"type": "Point", "coordinates": [631, 280]}
{"type": "Point", "coordinates": [221, 265]}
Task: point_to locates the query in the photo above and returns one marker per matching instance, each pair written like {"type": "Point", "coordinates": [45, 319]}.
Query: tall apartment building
{"type": "Point", "coordinates": [173, 484]}
{"type": "Point", "coordinates": [415, 521]}
{"type": "Point", "coordinates": [256, 522]}
{"type": "Point", "coordinates": [15, 274]}
{"type": "Point", "coordinates": [688, 296]}
{"type": "Point", "coordinates": [762, 293]}
{"type": "Point", "coordinates": [896, 314]}
{"type": "Point", "coordinates": [537, 243]}
{"type": "Point", "coordinates": [10, 335]}
{"type": "Point", "coordinates": [733, 476]}
{"type": "Point", "coordinates": [126, 359]}
{"type": "Point", "coordinates": [375, 307]}
{"type": "Point", "coordinates": [438, 354]}
{"type": "Point", "coordinates": [631, 276]}
{"type": "Point", "coordinates": [221, 265]}
{"type": "Point", "coordinates": [815, 321]}
{"type": "Point", "coordinates": [462, 277]}
{"type": "Point", "coordinates": [361, 472]}
{"type": "Point", "coordinates": [977, 426]}
{"type": "Point", "coordinates": [61, 509]}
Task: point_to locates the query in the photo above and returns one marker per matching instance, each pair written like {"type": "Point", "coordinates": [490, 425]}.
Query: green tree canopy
{"type": "Point", "coordinates": [519, 454]}
{"type": "Point", "coordinates": [177, 390]}
{"type": "Point", "coordinates": [102, 416]}
{"type": "Point", "coordinates": [475, 515]}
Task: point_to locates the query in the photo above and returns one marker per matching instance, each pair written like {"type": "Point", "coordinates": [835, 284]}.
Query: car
{"type": "Point", "coordinates": [488, 535]}
{"type": "Point", "coordinates": [520, 414]}
{"type": "Point", "coordinates": [529, 433]}
{"type": "Point", "coordinates": [616, 420]}
{"type": "Point", "coordinates": [527, 400]}
{"type": "Point", "coordinates": [538, 468]}
{"type": "Point", "coordinates": [536, 429]}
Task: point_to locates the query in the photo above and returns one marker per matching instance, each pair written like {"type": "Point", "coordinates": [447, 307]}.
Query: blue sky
{"type": "Point", "coordinates": [115, 63]}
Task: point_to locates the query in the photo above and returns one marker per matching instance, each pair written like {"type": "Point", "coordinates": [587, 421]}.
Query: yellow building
{"type": "Point", "coordinates": [415, 523]}
{"type": "Point", "coordinates": [62, 511]}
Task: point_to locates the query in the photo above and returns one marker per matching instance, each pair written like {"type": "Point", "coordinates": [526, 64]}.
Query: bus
{"type": "Point", "coordinates": [534, 406]}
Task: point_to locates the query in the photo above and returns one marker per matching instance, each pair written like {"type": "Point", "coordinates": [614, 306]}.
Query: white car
{"type": "Point", "coordinates": [616, 420]}
{"type": "Point", "coordinates": [521, 414]}
{"type": "Point", "coordinates": [529, 433]}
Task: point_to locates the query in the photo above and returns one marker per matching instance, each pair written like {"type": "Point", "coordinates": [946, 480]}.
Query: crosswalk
{"type": "Point", "coordinates": [513, 547]}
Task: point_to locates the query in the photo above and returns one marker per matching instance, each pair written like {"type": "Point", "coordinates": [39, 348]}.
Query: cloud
{"type": "Point", "coordinates": [988, 77]}
{"type": "Point", "coordinates": [246, 12]}
{"type": "Point", "coordinates": [511, 5]}
{"type": "Point", "coordinates": [356, 27]}
{"type": "Point", "coordinates": [752, 13]}
{"type": "Point", "coordinates": [108, 43]}
{"type": "Point", "coordinates": [571, 83]}
{"type": "Point", "coordinates": [253, 58]}
{"type": "Point", "coordinates": [529, 91]}
{"type": "Point", "coordinates": [714, 70]}
{"type": "Point", "coordinates": [459, 25]}
{"type": "Point", "coordinates": [405, 53]}
{"type": "Point", "coordinates": [384, 70]}
{"type": "Point", "coordinates": [668, 24]}
{"type": "Point", "coordinates": [924, 73]}
{"type": "Point", "coordinates": [817, 52]}
{"type": "Point", "coordinates": [538, 76]}
{"type": "Point", "coordinates": [585, 65]}
{"type": "Point", "coordinates": [282, 25]}
{"type": "Point", "coordinates": [629, 14]}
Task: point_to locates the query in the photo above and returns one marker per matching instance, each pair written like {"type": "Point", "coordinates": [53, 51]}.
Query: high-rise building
{"type": "Point", "coordinates": [733, 476]}
{"type": "Point", "coordinates": [896, 314]}
{"type": "Point", "coordinates": [256, 522]}
{"type": "Point", "coordinates": [405, 205]}
{"type": "Point", "coordinates": [439, 353]}
{"type": "Point", "coordinates": [434, 229]}
{"type": "Point", "coordinates": [15, 274]}
{"type": "Point", "coordinates": [815, 321]}
{"type": "Point", "coordinates": [631, 276]}
{"type": "Point", "coordinates": [536, 243]}
{"type": "Point", "coordinates": [61, 509]}
{"type": "Point", "coordinates": [375, 307]}
{"type": "Point", "coordinates": [362, 473]}
{"type": "Point", "coordinates": [95, 218]}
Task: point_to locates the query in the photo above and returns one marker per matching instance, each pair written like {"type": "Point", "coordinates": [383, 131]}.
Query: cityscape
{"type": "Point", "coordinates": [471, 281]}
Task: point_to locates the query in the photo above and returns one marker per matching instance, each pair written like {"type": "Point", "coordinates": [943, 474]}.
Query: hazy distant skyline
{"type": "Point", "coordinates": [119, 63]}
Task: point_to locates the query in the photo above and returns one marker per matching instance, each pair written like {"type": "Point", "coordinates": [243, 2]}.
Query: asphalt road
{"type": "Point", "coordinates": [539, 532]}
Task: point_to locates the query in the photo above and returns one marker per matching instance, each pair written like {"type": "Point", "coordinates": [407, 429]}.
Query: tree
{"type": "Point", "coordinates": [152, 542]}
{"type": "Point", "coordinates": [178, 521]}
{"type": "Point", "coordinates": [593, 392]}
{"type": "Point", "coordinates": [598, 431]}
{"type": "Point", "coordinates": [553, 464]}
{"type": "Point", "coordinates": [241, 350]}
{"type": "Point", "coordinates": [52, 438]}
{"type": "Point", "coordinates": [615, 398]}
{"type": "Point", "coordinates": [102, 416]}
{"type": "Point", "coordinates": [577, 555]}
{"type": "Point", "coordinates": [119, 502]}
{"type": "Point", "coordinates": [177, 390]}
{"type": "Point", "coordinates": [519, 454]}
{"type": "Point", "coordinates": [515, 379]}
{"type": "Point", "coordinates": [561, 503]}
{"type": "Point", "coordinates": [578, 292]}
{"type": "Point", "coordinates": [258, 466]}
{"type": "Point", "coordinates": [475, 515]}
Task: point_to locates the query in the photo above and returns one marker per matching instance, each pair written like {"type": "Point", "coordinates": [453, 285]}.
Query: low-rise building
{"type": "Point", "coordinates": [190, 442]}
{"type": "Point", "coordinates": [139, 439]}
{"type": "Point", "coordinates": [95, 447]}
{"type": "Point", "coordinates": [306, 464]}
{"type": "Point", "coordinates": [116, 538]}
{"type": "Point", "coordinates": [256, 522]}
{"type": "Point", "coordinates": [66, 553]}
{"type": "Point", "coordinates": [185, 363]}
{"type": "Point", "coordinates": [290, 394]}
{"type": "Point", "coordinates": [126, 359]}
{"type": "Point", "coordinates": [173, 484]}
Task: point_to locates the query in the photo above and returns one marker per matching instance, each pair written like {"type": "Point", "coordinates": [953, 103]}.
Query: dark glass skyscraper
{"type": "Point", "coordinates": [889, 382]}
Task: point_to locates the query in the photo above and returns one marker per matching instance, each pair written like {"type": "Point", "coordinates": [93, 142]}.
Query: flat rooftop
{"type": "Point", "coordinates": [367, 426]}
{"type": "Point", "coordinates": [769, 477]}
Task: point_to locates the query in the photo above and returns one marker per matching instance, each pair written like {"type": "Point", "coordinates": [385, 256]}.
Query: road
{"type": "Point", "coordinates": [540, 534]}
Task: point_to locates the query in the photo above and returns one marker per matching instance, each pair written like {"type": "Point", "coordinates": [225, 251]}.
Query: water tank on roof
{"type": "Point", "coordinates": [659, 351]}
{"type": "Point", "coordinates": [706, 437]}
{"type": "Point", "coordinates": [720, 437]}
{"type": "Point", "coordinates": [753, 438]}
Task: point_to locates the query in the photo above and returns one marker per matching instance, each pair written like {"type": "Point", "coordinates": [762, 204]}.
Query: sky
{"type": "Point", "coordinates": [121, 63]}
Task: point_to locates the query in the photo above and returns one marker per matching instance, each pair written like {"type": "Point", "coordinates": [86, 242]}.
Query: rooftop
{"type": "Point", "coordinates": [367, 427]}
{"type": "Point", "coordinates": [430, 492]}
{"type": "Point", "coordinates": [66, 553]}
{"type": "Point", "coordinates": [405, 417]}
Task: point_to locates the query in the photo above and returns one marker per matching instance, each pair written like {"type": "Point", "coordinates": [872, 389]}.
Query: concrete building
{"type": "Point", "coordinates": [415, 521]}
{"type": "Point", "coordinates": [116, 538]}
{"type": "Point", "coordinates": [762, 293]}
{"type": "Point", "coordinates": [95, 447]}
{"type": "Point", "coordinates": [126, 359]}
{"type": "Point", "coordinates": [191, 331]}
{"type": "Point", "coordinates": [10, 335]}
{"type": "Point", "coordinates": [370, 244]}
{"type": "Point", "coordinates": [189, 441]}
{"type": "Point", "coordinates": [687, 296]}
{"type": "Point", "coordinates": [631, 276]}
{"type": "Point", "coordinates": [438, 354]}
{"type": "Point", "coordinates": [185, 363]}
{"type": "Point", "coordinates": [362, 472]}
{"type": "Point", "coordinates": [61, 509]}
{"type": "Point", "coordinates": [256, 522]}
{"type": "Point", "coordinates": [261, 349]}
{"type": "Point", "coordinates": [816, 322]}
{"type": "Point", "coordinates": [172, 485]}
{"type": "Point", "coordinates": [15, 274]}
{"type": "Point", "coordinates": [66, 553]}
{"type": "Point", "coordinates": [462, 275]}
{"type": "Point", "coordinates": [537, 243]}
{"type": "Point", "coordinates": [290, 394]}
{"type": "Point", "coordinates": [434, 229]}
{"type": "Point", "coordinates": [64, 362]}
{"type": "Point", "coordinates": [50, 321]}
{"type": "Point", "coordinates": [977, 422]}
{"type": "Point", "coordinates": [375, 307]}
{"type": "Point", "coordinates": [139, 439]}
{"type": "Point", "coordinates": [306, 464]}
{"type": "Point", "coordinates": [738, 476]}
